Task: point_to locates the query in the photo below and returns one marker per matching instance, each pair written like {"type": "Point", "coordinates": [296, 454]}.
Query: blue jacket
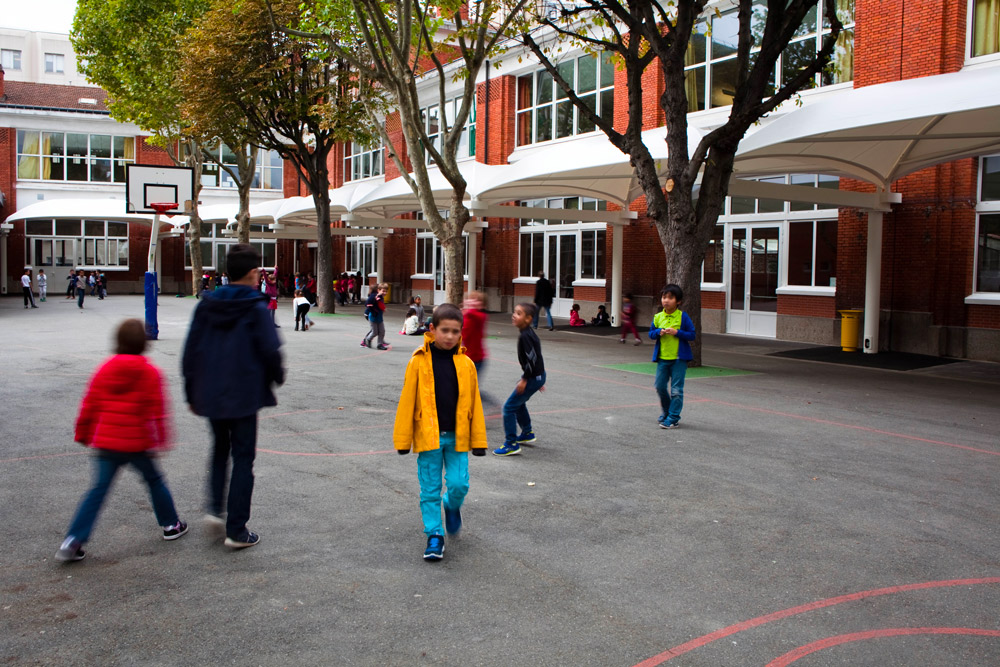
{"type": "Point", "coordinates": [685, 335]}
{"type": "Point", "coordinates": [232, 355]}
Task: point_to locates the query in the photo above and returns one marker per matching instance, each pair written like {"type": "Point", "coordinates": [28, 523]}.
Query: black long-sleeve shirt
{"type": "Point", "coordinates": [445, 386]}
{"type": "Point", "coordinates": [529, 354]}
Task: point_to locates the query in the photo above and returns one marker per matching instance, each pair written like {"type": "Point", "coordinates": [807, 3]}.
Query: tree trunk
{"type": "Point", "coordinates": [454, 264]}
{"type": "Point", "coordinates": [243, 215]}
{"type": "Point", "coordinates": [327, 303]}
{"type": "Point", "coordinates": [194, 228]}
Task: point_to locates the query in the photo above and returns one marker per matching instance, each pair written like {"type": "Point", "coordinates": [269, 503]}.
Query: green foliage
{"type": "Point", "coordinates": [130, 49]}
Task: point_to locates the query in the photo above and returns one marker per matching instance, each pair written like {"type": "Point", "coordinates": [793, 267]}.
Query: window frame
{"type": "Point", "coordinates": [80, 244]}
{"type": "Point", "coordinates": [115, 164]}
{"type": "Point", "coordinates": [545, 230]}
{"type": "Point", "coordinates": [983, 207]}
{"type": "Point", "coordinates": [355, 155]}
{"type": "Point", "coordinates": [971, 59]}
{"type": "Point", "coordinates": [15, 59]}
{"type": "Point", "coordinates": [468, 137]}
{"type": "Point", "coordinates": [218, 240]}
{"type": "Point", "coordinates": [353, 250]}
{"type": "Point", "coordinates": [435, 252]}
{"type": "Point", "coordinates": [57, 61]}
{"type": "Point", "coordinates": [223, 181]}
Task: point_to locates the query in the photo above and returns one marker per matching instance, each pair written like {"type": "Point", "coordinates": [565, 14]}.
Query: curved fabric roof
{"type": "Point", "coordinates": [76, 209]}
{"type": "Point", "coordinates": [883, 132]}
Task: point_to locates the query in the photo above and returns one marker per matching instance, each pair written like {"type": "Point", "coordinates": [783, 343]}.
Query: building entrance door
{"type": "Point", "coordinates": [753, 280]}
{"type": "Point", "coordinates": [562, 271]}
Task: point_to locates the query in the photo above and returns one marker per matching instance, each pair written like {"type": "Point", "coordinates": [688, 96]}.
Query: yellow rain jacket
{"type": "Point", "coordinates": [416, 425]}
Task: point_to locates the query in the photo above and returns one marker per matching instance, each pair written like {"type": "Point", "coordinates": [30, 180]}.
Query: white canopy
{"type": "Point", "coordinates": [79, 209]}
{"type": "Point", "coordinates": [883, 132]}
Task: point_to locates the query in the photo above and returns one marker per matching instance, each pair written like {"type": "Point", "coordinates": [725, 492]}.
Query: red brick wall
{"type": "Point", "coordinates": [986, 317]}
{"type": "Point", "coordinates": [395, 131]}
{"type": "Point", "coordinates": [906, 39]}
{"type": "Point", "coordinates": [497, 126]}
{"type": "Point", "coordinates": [713, 300]}
{"type": "Point", "coordinates": [808, 306]}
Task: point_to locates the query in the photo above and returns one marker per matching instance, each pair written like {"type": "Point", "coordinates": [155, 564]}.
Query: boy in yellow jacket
{"type": "Point", "coordinates": [440, 416]}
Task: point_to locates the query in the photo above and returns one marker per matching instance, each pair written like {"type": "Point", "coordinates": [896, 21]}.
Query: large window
{"type": "Point", "coordinates": [812, 253]}
{"type": "Point", "coordinates": [985, 31]}
{"type": "Point", "coordinates": [90, 244]}
{"type": "Point", "coordinates": [54, 63]}
{"type": "Point", "coordinates": [215, 245]}
{"type": "Point", "coordinates": [361, 255]}
{"type": "Point", "coordinates": [10, 59]}
{"type": "Point", "coordinates": [434, 126]}
{"type": "Point", "coordinates": [750, 205]}
{"type": "Point", "coordinates": [267, 175]}
{"type": "Point", "coordinates": [363, 162]}
{"type": "Point", "coordinates": [544, 111]}
{"type": "Point", "coordinates": [988, 227]}
{"type": "Point", "coordinates": [712, 70]}
{"type": "Point", "coordinates": [430, 256]}
{"type": "Point", "coordinates": [68, 156]}
{"type": "Point", "coordinates": [588, 263]}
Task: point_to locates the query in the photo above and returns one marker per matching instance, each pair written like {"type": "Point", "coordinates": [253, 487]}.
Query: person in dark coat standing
{"type": "Point", "coordinates": [543, 299]}
{"type": "Point", "coordinates": [232, 359]}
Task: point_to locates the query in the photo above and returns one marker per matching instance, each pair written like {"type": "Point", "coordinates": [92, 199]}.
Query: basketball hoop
{"type": "Point", "coordinates": [162, 207]}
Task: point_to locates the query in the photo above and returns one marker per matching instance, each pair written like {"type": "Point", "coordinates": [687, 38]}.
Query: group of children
{"type": "Point", "coordinates": [439, 415]}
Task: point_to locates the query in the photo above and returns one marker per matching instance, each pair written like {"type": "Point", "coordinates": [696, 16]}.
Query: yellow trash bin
{"type": "Point", "coordinates": [850, 322]}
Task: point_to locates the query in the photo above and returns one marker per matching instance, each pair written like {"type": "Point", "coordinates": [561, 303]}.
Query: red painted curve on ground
{"type": "Point", "coordinates": [829, 642]}
{"type": "Point", "coordinates": [698, 642]}
{"type": "Point", "coordinates": [274, 451]}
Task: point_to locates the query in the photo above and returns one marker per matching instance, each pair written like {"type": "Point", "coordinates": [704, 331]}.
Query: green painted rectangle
{"type": "Point", "coordinates": [649, 368]}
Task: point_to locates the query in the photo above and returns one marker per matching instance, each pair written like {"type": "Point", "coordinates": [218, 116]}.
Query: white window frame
{"type": "Point", "coordinates": [353, 250]}
{"type": "Point", "coordinates": [81, 242]}
{"type": "Point", "coordinates": [357, 156]}
{"type": "Point", "coordinates": [548, 229]}
{"type": "Point", "coordinates": [780, 219]}
{"type": "Point", "coordinates": [217, 240]}
{"type": "Point", "coordinates": [725, 8]}
{"type": "Point", "coordinates": [468, 138]}
{"type": "Point", "coordinates": [10, 59]}
{"type": "Point", "coordinates": [970, 59]}
{"type": "Point", "coordinates": [113, 161]}
{"type": "Point", "coordinates": [988, 207]}
{"type": "Point", "coordinates": [435, 245]}
{"type": "Point", "coordinates": [220, 178]}
{"type": "Point", "coordinates": [532, 109]}
{"type": "Point", "coordinates": [55, 63]}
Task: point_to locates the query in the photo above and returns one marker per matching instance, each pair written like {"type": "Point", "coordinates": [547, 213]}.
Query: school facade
{"type": "Point", "coordinates": [776, 267]}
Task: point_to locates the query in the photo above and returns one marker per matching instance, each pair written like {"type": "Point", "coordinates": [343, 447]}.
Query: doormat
{"type": "Point", "coordinates": [698, 372]}
{"type": "Point", "coordinates": [891, 361]}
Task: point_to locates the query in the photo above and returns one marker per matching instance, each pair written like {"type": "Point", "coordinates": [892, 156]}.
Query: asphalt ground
{"type": "Point", "coordinates": [811, 513]}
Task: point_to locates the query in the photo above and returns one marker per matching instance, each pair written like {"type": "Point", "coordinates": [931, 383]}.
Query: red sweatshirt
{"type": "Point", "coordinates": [125, 408]}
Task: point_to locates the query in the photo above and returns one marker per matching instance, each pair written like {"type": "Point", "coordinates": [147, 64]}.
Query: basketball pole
{"type": "Point", "coordinates": [150, 286]}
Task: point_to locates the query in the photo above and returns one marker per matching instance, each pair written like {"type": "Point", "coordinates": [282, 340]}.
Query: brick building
{"type": "Point", "coordinates": [776, 268]}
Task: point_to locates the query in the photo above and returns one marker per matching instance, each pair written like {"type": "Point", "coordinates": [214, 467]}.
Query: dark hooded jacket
{"type": "Point", "coordinates": [232, 355]}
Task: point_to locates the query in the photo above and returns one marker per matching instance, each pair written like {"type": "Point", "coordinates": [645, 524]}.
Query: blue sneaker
{"type": "Point", "coordinates": [435, 548]}
{"type": "Point", "coordinates": [526, 438]}
{"type": "Point", "coordinates": [507, 449]}
{"type": "Point", "coordinates": [452, 521]}
{"type": "Point", "coordinates": [669, 425]}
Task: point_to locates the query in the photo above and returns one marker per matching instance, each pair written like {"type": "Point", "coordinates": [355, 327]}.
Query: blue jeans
{"type": "Point", "coordinates": [106, 465]}
{"type": "Point", "coordinates": [456, 476]}
{"type": "Point", "coordinates": [80, 293]}
{"type": "Point", "coordinates": [538, 311]}
{"type": "Point", "coordinates": [515, 410]}
{"type": "Point", "coordinates": [670, 386]}
{"type": "Point", "coordinates": [237, 437]}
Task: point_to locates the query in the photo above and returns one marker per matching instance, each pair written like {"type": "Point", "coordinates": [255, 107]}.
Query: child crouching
{"type": "Point", "coordinates": [440, 416]}
{"type": "Point", "coordinates": [124, 416]}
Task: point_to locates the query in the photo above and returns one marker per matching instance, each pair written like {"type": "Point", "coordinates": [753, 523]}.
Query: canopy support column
{"type": "Point", "coordinates": [379, 260]}
{"type": "Point", "coordinates": [617, 237]}
{"type": "Point", "coordinates": [470, 261]}
{"type": "Point", "coordinates": [873, 282]}
{"type": "Point", "coordinates": [3, 262]}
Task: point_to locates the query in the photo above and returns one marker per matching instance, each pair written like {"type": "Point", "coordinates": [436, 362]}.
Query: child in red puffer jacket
{"type": "Point", "coordinates": [125, 418]}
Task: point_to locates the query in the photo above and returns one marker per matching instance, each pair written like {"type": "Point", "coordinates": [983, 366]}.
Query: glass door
{"type": "Point", "coordinates": [440, 288]}
{"type": "Point", "coordinates": [754, 253]}
{"type": "Point", "coordinates": [562, 270]}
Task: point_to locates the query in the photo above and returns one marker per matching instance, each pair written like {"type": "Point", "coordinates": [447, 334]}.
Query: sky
{"type": "Point", "coordinates": [45, 15]}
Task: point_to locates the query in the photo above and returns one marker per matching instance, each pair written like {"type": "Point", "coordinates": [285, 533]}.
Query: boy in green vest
{"type": "Point", "coordinates": [672, 330]}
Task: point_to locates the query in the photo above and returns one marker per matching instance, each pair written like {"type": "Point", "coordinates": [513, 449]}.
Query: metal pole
{"type": "Point", "coordinates": [472, 261]}
{"type": "Point", "coordinates": [873, 282]}
{"type": "Point", "coordinates": [149, 286]}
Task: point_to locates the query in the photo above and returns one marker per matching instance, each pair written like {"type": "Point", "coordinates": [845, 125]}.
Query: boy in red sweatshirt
{"type": "Point", "coordinates": [125, 417]}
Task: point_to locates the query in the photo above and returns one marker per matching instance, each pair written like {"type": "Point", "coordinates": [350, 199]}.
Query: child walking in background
{"type": "Point", "coordinates": [630, 316]}
{"type": "Point", "coordinates": [673, 332]}
{"type": "Point", "coordinates": [515, 410]}
{"type": "Point", "coordinates": [574, 317]}
{"type": "Point", "coordinates": [300, 306]}
{"type": "Point", "coordinates": [440, 416]}
{"type": "Point", "coordinates": [474, 320]}
{"type": "Point", "coordinates": [125, 417]}
{"type": "Point", "coordinates": [375, 312]}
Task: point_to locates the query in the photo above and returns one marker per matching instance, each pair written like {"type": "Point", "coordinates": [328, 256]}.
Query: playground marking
{"type": "Point", "coordinates": [698, 642]}
{"type": "Point", "coordinates": [829, 642]}
{"type": "Point", "coordinates": [275, 451]}
{"type": "Point", "coordinates": [696, 373]}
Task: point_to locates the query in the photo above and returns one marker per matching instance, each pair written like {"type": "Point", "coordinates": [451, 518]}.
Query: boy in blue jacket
{"type": "Point", "coordinates": [232, 359]}
{"type": "Point", "coordinates": [672, 330]}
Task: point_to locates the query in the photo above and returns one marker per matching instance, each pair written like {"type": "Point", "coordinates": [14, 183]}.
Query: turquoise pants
{"type": "Point", "coordinates": [455, 466]}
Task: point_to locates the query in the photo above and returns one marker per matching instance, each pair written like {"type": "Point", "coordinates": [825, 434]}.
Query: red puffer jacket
{"type": "Point", "coordinates": [125, 408]}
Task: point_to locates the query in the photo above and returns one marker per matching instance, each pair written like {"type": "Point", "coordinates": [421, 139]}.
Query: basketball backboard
{"type": "Point", "coordinates": [148, 184]}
